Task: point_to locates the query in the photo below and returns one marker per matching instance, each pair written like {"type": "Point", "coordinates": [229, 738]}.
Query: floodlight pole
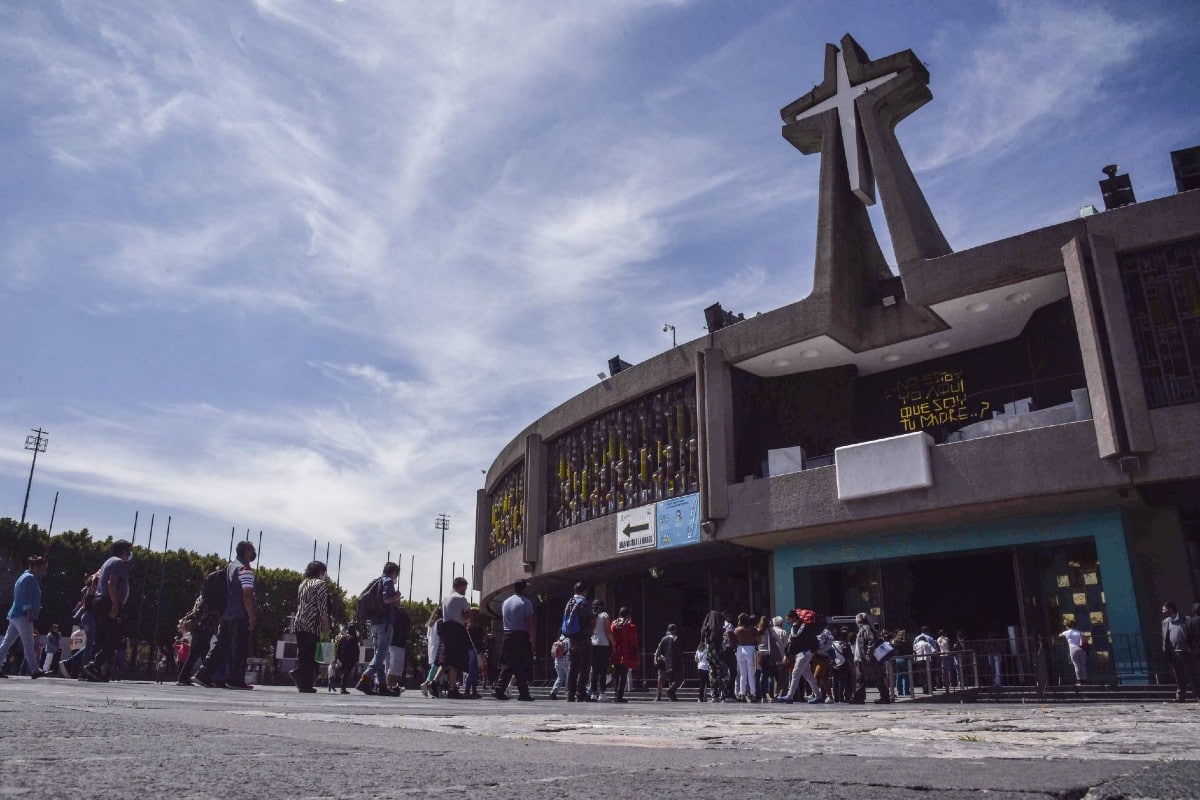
{"type": "Point", "coordinates": [442, 523]}
{"type": "Point", "coordinates": [37, 443]}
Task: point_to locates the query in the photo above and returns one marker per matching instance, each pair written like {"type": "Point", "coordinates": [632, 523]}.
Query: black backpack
{"type": "Point", "coordinates": [370, 601]}
{"type": "Point", "coordinates": [214, 591]}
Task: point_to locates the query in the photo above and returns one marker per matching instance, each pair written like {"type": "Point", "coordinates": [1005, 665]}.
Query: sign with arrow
{"type": "Point", "coordinates": [636, 529]}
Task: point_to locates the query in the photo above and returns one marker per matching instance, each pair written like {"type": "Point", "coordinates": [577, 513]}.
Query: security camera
{"type": "Point", "coordinates": [666, 328]}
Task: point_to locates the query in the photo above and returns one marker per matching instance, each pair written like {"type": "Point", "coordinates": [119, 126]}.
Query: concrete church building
{"type": "Point", "coordinates": [997, 440]}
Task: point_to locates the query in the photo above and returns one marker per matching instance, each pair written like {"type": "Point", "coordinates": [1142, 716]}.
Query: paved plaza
{"type": "Point", "coordinates": [131, 739]}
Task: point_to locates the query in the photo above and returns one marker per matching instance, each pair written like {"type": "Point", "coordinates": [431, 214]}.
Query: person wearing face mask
{"type": "Point", "coordinates": [1176, 651]}
{"type": "Point", "coordinates": [112, 590]}
{"type": "Point", "coordinates": [27, 604]}
{"type": "Point", "coordinates": [233, 631]}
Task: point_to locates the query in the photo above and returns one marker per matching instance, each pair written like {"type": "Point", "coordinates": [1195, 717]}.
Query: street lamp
{"type": "Point", "coordinates": [669, 327]}
{"type": "Point", "coordinates": [37, 443]}
{"type": "Point", "coordinates": [442, 523]}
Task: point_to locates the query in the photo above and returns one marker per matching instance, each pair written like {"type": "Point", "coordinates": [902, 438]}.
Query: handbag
{"type": "Point", "coordinates": [883, 651]}
{"type": "Point", "coordinates": [325, 650]}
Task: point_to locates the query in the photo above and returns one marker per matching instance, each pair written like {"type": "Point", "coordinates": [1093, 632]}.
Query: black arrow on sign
{"type": "Point", "coordinates": [632, 529]}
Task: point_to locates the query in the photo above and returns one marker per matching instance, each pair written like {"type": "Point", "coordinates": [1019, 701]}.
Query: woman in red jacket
{"type": "Point", "coordinates": [625, 654]}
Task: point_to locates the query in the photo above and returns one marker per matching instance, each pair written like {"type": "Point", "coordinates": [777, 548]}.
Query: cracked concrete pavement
{"type": "Point", "coordinates": [137, 739]}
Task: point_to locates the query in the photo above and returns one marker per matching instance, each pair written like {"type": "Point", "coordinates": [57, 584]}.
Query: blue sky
{"type": "Point", "coordinates": [306, 268]}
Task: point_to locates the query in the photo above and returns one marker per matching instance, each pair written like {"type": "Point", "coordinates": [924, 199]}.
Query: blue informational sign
{"type": "Point", "coordinates": [678, 521]}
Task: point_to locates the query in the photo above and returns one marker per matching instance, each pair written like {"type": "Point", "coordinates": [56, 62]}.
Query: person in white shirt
{"type": "Point", "coordinates": [1074, 639]}
{"type": "Point", "coordinates": [601, 649]}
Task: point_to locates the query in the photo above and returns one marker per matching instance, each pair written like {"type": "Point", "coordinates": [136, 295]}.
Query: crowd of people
{"type": "Point", "coordinates": [797, 657]}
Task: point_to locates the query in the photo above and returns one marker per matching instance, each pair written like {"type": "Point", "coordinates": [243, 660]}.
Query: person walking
{"type": "Point", "coordinates": [802, 643]}
{"type": "Point", "coordinates": [869, 669]}
{"type": "Point", "coordinates": [746, 636]}
{"type": "Point", "coordinates": [398, 651]}
{"type": "Point", "coordinates": [455, 643]}
{"type": "Point", "coordinates": [517, 646]}
{"type": "Point", "coordinates": [601, 649]}
{"type": "Point", "coordinates": [625, 653]}
{"type": "Point", "coordinates": [1176, 650]}
{"type": "Point", "coordinates": [381, 632]}
{"type": "Point", "coordinates": [1077, 651]}
{"type": "Point", "coordinates": [559, 652]}
{"type": "Point", "coordinates": [201, 624]}
{"type": "Point", "coordinates": [577, 625]}
{"type": "Point", "coordinates": [310, 623]}
{"type": "Point", "coordinates": [237, 622]}
{"type": "Point", "coordinates": [701, 658]}
{"type": "Point", "coordinates": [346, 651]}
{"type": "Point", "coordinates": [668, 658]}
{"type": "Point", "coordinates": [112, 590]}
{"type": "Point", "coordinates": [26, 606]}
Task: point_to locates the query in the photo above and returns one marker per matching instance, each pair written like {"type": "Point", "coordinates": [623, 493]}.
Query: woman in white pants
{"type": "Point", "coordinates": [27, 604]}
{"type": "Point", "coordinates": [747, 650]}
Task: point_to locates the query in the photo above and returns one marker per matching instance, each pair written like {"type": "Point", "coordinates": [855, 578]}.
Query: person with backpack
{"type": "Point", "coordinates": [559, 652]}
{"type": "Point", "coordinates": [112, 590]}
{"type": "Point", "coordinates": [201, 624]}
{"type": "Point", "coordinates": [625, 653]}
{"type": "Point", "coordinates": [843, 667]}
{"type": "Point", "coordinates": [668, 659]}
{"type": "Point", "coordinates": [237, 622]}
{"type": "Point", "coordinates": [924, 646]}
{"type": "Point", "coordinates": [577, 625]}
{"type": "Point", "coordinates": [375, 607]}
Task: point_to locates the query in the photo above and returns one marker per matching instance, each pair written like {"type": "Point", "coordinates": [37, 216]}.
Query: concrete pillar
{"type": "Point", "coordinates": [1126, 368]}
{"type": "Point", "coordinates": [1089, 327]}
{"type": "Point", "coordinates": [534, 518]}
{"type": "Point", "coordinates": [714, 411]}
{"type": "Point", "coordinates": [483, 520]}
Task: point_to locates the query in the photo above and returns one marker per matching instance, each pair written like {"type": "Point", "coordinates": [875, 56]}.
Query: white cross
{"type": "Point", "coordinates": [843, 101]}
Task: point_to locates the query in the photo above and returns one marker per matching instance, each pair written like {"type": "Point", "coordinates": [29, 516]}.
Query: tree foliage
{"type": "Point", "coordinates": [163, 586]}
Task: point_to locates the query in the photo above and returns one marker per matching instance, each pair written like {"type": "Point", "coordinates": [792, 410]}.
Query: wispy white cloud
{"type": "Point", "coordinates": [1041, 64]}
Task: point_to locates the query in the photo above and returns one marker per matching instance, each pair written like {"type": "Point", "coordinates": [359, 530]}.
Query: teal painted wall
{"type": "Point", "coordinates": [1106, 526]}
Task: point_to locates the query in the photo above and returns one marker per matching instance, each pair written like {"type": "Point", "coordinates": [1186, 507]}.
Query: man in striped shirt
{"type": "Point", "coordinates": [233, 633]}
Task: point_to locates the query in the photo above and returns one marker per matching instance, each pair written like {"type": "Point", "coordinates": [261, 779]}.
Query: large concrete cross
{"type": "Point", "coordinates": [863, 100]}
{"type": "Point", "coordinates": [858, 160]}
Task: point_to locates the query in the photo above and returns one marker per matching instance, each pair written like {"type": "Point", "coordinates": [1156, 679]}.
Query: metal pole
{"type": "Point", "coordinates": [162, 576]}
{"type": "Point", "coordinates": [137, 634]}
{"type": "Point", "coordinates": [38, 445]}
{"type": "Point", "coordinates": [231, 530]}
{"type": "Point", "coordinates": [258, 550]}
{"type": "Point", "coordinates": [389, 555]}
{"type": "Point", "coordinates": [326, 556]}
{"type": "Point", "coordinates": [314, 558]}
{"type": "Point", "coordinates": [412, 562]}
{"type": "Point", "coordinates": [135, 521]}
{"type": "Point", "coordinates": [442, 523]}
{"type": "Point", "coordinates": [53, 511]}
{"type": "Point", "coordinates": [339, 572]}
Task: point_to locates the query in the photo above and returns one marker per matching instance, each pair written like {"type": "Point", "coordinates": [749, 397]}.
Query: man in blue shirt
{"type": "Point", "coordinates": [381, 634]}
{"type": "Point", "coordinates": [517, 646]}
{"type": "Point", "coordinates": [27, 604]}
